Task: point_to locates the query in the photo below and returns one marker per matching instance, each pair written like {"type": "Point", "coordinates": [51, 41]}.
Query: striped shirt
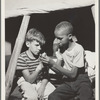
{"type": "Point", "coordinates": [25, 62]}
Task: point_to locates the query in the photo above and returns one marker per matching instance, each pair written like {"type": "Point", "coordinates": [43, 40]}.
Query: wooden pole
{"type": "Point", "coordinates": [93, 11]}
{"type": "Point", "coordinates": [16, 51]}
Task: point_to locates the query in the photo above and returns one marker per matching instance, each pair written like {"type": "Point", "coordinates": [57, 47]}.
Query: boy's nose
{"type": "Point", "coordinates": [58, 41]}
{"type": "Point", "coordinates": [39, 48]}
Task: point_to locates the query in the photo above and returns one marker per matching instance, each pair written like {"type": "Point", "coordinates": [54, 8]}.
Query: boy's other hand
{"type": "Point", "coordinates": [58, 55]}
{"type": "Point", "coordinates": [55, 46]}
{"type": "Point", "coordinates": [40, 92]}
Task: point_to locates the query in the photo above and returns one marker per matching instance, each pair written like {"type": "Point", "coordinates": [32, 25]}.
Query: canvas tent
{"type": "Point", "coordinates": [23, 7]}
{"type": "Point", "coordinates": [14, 8]}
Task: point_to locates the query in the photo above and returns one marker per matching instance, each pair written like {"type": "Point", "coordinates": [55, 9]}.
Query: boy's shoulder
{"type": "Point", "coordinates": [78, 46]}
{"type": "Point", "coordinates": [75, 50]}
{"type": "Point", "coordinates": [23, 54]}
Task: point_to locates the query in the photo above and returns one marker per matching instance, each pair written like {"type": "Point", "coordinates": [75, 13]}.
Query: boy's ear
{"type": "Point", "coordinates": [70, 36]}
{"type": "Point", "coordinates": [27, 43]}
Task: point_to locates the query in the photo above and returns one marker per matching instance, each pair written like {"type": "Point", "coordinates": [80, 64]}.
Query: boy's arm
{"type": "Point", "coordinates": [41, 89]}
{"type": "Point", "coordinates": [55, 47]}
{"type": "Point", "coordinates": [69, 73]}
{"type": "Point", "coordinates": [78, 62]}
{"type": "Point", "coordinates": [58, 62]}
{"type": "Point", "coordinates": [59, 57]}
{"type": "Point", "coordinates": [32, 77]}
{"type": "Point", "coordinates": [44, 82]}
{"type": "Point", "coordinates": [59, 69]}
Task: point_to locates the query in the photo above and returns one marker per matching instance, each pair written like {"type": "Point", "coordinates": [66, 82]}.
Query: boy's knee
{"type": "Point", "coordinates": [50, 97]}
{"type": "Point", "coordinates": [53, 96]}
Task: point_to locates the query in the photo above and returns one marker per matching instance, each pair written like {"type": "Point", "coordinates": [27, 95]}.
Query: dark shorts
{"type": "Point", "coordinates": [70, 88]}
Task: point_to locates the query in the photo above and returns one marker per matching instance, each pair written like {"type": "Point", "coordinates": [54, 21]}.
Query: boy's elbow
{"type": "Point", "coordinates": [29, 80]}
{"type": "Point", "coordinates": [72, 75]}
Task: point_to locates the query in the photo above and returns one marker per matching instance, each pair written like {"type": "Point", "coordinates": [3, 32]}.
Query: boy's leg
{"type": "Point", "coordinates": [28, 89]}
{"type": "Point", "coordinates": [63, 92]}
{"type": "Point", "coordinates": [48, 89]}
{"type": "Point", "coordinates": [85, 92]}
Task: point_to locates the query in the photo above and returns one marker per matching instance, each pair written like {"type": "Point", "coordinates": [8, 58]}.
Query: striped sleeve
{"type": "Point", "coordinates": [21, 63]}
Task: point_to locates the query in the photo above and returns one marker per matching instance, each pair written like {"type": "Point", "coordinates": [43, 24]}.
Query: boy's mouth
{"type": "Point", "coordinates": [60, 44]}
{"type": "Point", "coordinates": [38, 52]}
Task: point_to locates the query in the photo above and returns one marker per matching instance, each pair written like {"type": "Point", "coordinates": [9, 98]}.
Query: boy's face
{"type": "Point", "coordinates": [62, 37]}
{"type": "Point", "coordinates": [35, 47]}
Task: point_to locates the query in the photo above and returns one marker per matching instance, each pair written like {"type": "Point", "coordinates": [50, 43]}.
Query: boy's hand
{"type": "Point", "coordinates": [41, 93]}
{"type": "Point", "coordinates": [55, 42]}
{"type": "Point", "coordinates": [44, 58]}
{"type": "Point", "coordinates": [39, 67]}
{"type": "Point", "coordinates": [55, 46]}
{"type": "Point", "coordinates": [58, 55]}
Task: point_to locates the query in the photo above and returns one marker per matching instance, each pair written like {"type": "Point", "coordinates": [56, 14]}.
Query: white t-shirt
{"type": "Point", "coordinates": [74, 57]}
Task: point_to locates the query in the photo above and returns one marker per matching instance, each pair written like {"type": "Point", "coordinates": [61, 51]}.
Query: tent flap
{"type": "Point", "coordinates": [23, 7]}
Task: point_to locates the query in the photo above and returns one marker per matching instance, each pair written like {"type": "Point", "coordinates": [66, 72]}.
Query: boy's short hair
{"type": "Point", "coordinates": [34, 34]}
{"type": "Point", "coordinates": [65, 25]}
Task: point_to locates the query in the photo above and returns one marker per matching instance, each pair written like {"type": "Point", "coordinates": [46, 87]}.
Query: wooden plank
{"type": "Point", "coordinates": [93, 11]}
{"type": "Point", "coordinates": [16, 51]}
